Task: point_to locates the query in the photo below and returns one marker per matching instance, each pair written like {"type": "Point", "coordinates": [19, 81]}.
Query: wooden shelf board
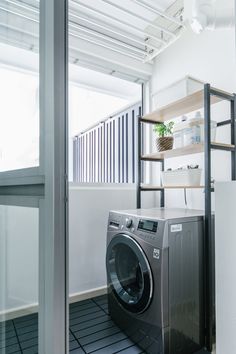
{"type": "Point", "coordinates": [223, 145]}
{"type": "Point", "coordinates": [176, 109]}
{"type": "Point", "coordinates": [186, 150]}
{"type": "Point", "coordinates": [151, 187]}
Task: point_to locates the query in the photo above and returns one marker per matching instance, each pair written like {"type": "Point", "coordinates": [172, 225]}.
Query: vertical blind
{"type": "Point", "coordinates": [107, 153]}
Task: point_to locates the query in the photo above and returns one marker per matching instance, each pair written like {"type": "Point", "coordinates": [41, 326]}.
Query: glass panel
{"type": "Point", "coordinates": [18, 279]}
{"type": "Point", "coordinates": [128, 271]}
{"type": "Point", "coordinates": [19, 84]}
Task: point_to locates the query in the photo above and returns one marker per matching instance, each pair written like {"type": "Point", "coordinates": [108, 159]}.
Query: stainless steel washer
{"type": "Point", "coordinates": [155, 278]}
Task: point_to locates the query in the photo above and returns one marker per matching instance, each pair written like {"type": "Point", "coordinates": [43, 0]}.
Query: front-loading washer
{"type": "Point", "coordinates": [155, 274]}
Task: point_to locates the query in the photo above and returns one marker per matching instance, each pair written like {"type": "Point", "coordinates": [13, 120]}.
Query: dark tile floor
{"type": "Point", "coordinates": [91, 331]}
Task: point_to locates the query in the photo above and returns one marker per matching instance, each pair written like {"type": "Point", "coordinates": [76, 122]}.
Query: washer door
{"type": "Point", "coordinates": [129, 273]}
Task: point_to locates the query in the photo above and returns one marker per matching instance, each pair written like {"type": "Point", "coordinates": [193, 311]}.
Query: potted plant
{"type": "Point", "coordinates": [165, 139]}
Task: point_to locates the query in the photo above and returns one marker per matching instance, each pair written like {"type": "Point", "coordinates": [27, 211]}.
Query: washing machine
{"type": "Point", "coordinates": [155, 273]}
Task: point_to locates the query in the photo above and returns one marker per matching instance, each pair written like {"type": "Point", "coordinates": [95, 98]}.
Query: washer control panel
{"type": "Point", "coordinates": [147, 229]}
{"type": "Point", "coordinates": [129, 223]}
{"type": "Point", "coordinates": [148, 225]}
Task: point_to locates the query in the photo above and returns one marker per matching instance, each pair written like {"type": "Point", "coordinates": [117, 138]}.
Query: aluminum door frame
{"type": "Point", "coordinates": [46, 187]}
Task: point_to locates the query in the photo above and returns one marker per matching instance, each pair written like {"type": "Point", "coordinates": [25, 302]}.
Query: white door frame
{"type": "Point", "coordinates": [46, 187]}
{"type": "Point", "coordinates": [53, 242]}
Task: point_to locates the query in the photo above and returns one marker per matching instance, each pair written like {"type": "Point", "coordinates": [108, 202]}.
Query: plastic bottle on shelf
{"type": "Point", "coordinates": [178, 133]}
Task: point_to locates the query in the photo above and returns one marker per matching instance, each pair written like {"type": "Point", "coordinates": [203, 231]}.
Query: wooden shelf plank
{"type": "Point", "coordinates": [186, 150]}
{"type": "Point", "coordinates": [176, 109]}
{"type": "Point", "coordinates": [222, 146]}
{"type": "Point", "coordinates": [155, 187]}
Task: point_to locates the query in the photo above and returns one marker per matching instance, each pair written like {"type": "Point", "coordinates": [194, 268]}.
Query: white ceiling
{"type": "Point", "coordinates": [162, 4]}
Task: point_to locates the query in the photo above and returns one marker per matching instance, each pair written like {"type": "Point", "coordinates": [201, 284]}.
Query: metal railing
{"type": "Point", "coordinates": [107, 152]}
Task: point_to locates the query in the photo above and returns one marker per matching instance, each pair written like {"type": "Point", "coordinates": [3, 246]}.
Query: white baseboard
{"type": "Point", "coordinates": [29, 309]}
{"type": "Point", "coordinates": [88, 294]}
{"type": "Point", "coordinates": [18, 312]}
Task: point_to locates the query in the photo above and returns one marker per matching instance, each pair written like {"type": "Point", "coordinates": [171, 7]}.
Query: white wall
{"type": "Point", "coordinates": [89, 209]}
{"type": "Point", "coordinates": [19, 257]}
{"type": "Point", "coordinates": [209, 57]}
{"type": "Point", "coordinates": [225, 268]}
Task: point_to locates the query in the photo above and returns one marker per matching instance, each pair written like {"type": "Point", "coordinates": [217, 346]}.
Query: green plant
{"type": "Point", "coordinates": [164, 129]}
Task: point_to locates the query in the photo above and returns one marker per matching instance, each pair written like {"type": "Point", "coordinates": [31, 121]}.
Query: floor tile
{"type": "Point", "coordinates": [84, 312]}
{"type": "Point", "coordinates": [115, 347]}
{"type": "Point", "coordinates": [92, 306]}
{"type": "Point", "coordinates": [27, 329]}
{"type": "Point", "coordinates": [6, 327]}
{"type": "Point", "coordinates": [27, 336]}
{"type": "Point", "coordinates": [12, 349]}
{"type": "Point", "coordinates": [104, 342]}
{"type": "Point", "coordinates": [99, 335]}
{"type": "Point", "coordinates": [6, 343]}
{"type": "Point", "coordinates": [131, 350]}
{"type": "Point", "coordinates": [86, 318]}
{"type": "Point", "coordinates": [74, 345]}
{"type": "Point", "coordinates": [8, 335]}
{"type": "Point", "coordinates": [90, 323]}
{"type": "Point", "coordinates": [26, 318]}
{"type": "Point", "coordinates": [77, 351]}
{"type": "Point", "coordinates": [26, 323]}
{"type": "Point", "coordinates": [29, 343]}
{"type": "Point", "coordinates": [32, 350]}
{"type": "Point", "coordinates": [81, 303]}
{"type": "Point", "coordinates": [91, 331]}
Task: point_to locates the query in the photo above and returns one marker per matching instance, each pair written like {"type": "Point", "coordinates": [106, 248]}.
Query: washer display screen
{"type": "Point", "coordinates": [148, 225]}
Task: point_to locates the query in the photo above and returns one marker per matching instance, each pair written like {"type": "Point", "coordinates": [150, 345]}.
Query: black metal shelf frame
{"type": "Point", "coordinates": [209, 222]}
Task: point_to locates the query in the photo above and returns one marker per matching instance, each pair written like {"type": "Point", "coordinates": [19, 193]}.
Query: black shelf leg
{"type": "Point", "coordinates": [139, 172]}
{"type": "Point", "coordinates": [163, 191]}
{"type": "Point", "coordinates": [233, 138]}
{"type": "Point", "coordinates": [209, 239]}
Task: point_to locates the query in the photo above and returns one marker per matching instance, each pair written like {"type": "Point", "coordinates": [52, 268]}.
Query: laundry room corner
{"type": "Point", "coordinates": [117, 176]}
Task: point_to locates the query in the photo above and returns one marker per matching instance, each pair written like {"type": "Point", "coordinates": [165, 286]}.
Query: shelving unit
{"type": "Point", "coordinates": [200, 99]}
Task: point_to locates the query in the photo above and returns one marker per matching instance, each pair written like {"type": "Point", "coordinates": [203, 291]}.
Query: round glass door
{"type": "Point", "coordinates": [129, 273]}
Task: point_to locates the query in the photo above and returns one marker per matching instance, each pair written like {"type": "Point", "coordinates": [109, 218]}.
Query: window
{"type": "Point", "coordinates": [19, 115]}
{"type": "Point", "coordinates": [107, 152]}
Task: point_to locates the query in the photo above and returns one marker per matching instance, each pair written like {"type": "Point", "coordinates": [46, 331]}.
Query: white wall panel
{"type": "Point", "coordinates": [89, 209]}
{"type": "Point", "coordinates": [225, 267]}
{"type": "Point", "coordinates": [89, 206]}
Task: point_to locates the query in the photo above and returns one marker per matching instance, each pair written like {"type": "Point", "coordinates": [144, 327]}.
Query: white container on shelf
{"type": "Point", "coordinates": [213, 130]}
{"type": "Point", "coordinates": [178, 139]}
{"type": "Point", "coordinates": [181, 178]}
{"type": "Point", "coordinates": [192, 131]}
{"type": "Point", "coordinates": [178, 134]}
{"type": "Point", "coordinates": [176, 91]}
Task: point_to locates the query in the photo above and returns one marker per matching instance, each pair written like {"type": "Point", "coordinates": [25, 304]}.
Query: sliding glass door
{"type": "Point", "coordinates": [33, 176]}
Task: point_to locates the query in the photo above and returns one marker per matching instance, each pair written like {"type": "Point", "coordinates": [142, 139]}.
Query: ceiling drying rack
{"type": "Point", "coordinates": [200, 99]}
{"type": "Point", "coordinates": [117, 38]}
